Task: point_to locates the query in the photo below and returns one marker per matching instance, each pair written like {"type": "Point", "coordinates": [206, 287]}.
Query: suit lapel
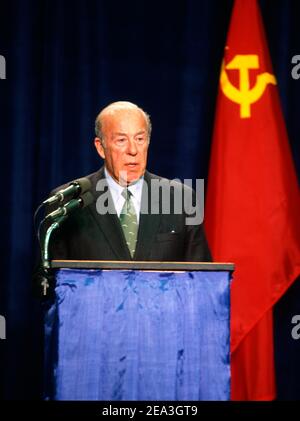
{"type": "Point", "coordinates": [108, 223]}
{"type": "Point", "coordinates": [148, 225]}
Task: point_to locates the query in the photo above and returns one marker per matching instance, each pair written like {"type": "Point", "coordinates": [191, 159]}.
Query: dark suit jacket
{"type": "Point", "coordinates": [86, 235]}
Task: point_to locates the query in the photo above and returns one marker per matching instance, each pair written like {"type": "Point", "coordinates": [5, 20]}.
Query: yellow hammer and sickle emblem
{"type": "Point", "coordinates": [244, 95]}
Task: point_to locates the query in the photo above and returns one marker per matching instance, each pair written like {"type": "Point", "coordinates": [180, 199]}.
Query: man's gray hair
{"type": "Point", "coordinates": [115, 106]}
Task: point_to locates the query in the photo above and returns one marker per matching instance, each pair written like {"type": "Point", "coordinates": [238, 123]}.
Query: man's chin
{"type": "Point", "coordinates": [129, 177]}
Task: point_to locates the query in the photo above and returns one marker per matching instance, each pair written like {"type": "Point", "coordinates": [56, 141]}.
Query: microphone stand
{"type": "Point", "coordinates": [46, 267]}
{"type": "Point", "coordinates": [59, 216]}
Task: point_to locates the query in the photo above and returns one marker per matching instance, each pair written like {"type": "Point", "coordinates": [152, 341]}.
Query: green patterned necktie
{"type": "Point", "coordinates": [128, 221]}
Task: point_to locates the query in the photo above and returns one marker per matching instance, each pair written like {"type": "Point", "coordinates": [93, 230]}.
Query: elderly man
{"type": "Point", "coordinates": [127, 221]}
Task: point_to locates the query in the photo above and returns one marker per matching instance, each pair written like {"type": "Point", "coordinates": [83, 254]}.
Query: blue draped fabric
{"type": "Point", "coordinates": [135, 335]}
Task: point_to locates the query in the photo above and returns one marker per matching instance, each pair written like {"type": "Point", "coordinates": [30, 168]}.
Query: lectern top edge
{"type": "Point", "coordinates": [141, 265]}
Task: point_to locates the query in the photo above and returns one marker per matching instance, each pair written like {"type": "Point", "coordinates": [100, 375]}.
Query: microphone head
{"type": "Point", "coordinates": [86, 199]}
{"type": "Point", "coordinates": [83, 183]}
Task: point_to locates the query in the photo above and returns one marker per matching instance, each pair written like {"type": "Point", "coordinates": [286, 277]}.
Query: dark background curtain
{"type": "Point", "coordinates": [65, 60]}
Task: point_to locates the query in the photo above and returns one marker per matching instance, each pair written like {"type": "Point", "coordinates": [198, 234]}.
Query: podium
{"type": "Point", "coordinates": [144, 331]}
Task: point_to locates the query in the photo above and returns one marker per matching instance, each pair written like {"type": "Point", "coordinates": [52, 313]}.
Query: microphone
{"type": "Point", "coordinates": [73, 190]}
{"type": "Point", "coordinates": [63, 211]}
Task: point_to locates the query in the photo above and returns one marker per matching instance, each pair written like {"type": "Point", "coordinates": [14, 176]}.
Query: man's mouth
{"type": "Point", "coordinates": [131, 165]}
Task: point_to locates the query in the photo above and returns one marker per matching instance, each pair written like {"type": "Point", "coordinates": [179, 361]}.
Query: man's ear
{"type": "Point", "coordinates": [99, 147]}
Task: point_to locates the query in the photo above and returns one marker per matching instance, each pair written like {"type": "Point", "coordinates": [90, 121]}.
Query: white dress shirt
{"type": "Point", "coordinates": [116, 193]}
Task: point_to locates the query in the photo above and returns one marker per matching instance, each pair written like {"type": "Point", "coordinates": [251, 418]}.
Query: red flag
{"type": "Point", "coordinates": [252, 215]}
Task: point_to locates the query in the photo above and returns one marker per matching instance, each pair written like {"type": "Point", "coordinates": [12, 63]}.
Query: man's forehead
{"type": "Point", "coordinates": [124, 117]}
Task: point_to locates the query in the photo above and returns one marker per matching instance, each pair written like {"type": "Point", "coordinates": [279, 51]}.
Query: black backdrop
{"type": "Point", "coordinates": [67, 59]}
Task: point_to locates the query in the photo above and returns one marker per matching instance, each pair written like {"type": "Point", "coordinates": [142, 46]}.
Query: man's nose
{"type": "Point", "coordinates": [132, 148]}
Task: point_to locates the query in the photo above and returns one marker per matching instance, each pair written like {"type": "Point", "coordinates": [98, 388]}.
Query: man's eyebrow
{"type": "Point", "coordinates": [125, 134]}
{"type": "Point", "coordinates": [120, 134]}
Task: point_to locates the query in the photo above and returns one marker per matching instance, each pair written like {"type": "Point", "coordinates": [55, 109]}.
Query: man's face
{"type": "Point", "coordinates": [125, 145]}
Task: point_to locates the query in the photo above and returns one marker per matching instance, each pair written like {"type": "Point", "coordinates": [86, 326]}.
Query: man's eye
{"type": "Point", "coordinates": [140, 139]}
{"type": "Point", "coordinates": [121, 140]}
